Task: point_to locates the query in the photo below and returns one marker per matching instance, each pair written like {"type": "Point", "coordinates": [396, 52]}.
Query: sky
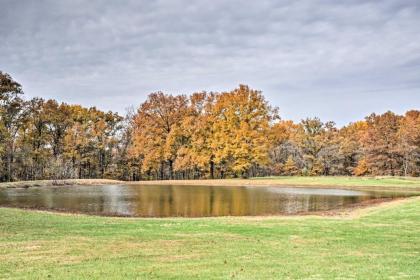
{"type": "Point", "coordinates": [338, 60]}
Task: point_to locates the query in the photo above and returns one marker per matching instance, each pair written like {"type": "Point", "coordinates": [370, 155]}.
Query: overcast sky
{"type": "Point", "coordinates": [339, 60]}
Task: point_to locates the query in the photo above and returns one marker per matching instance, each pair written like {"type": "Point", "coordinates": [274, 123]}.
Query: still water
{"type": "Point", "coordinates": [186, 201]}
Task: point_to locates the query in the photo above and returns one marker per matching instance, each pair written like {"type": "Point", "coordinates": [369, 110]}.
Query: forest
{"type": "Point", "coordinates": [203, 135]}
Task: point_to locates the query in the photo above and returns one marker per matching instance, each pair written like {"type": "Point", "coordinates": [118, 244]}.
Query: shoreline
{"type": "Point", "coordinates": [65, 182]}
{"type": "Point", "coordinates": [406, 184]}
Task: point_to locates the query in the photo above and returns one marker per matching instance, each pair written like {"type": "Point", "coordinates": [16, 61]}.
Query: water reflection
{"type": "Point", "coordinates": [185, 201]}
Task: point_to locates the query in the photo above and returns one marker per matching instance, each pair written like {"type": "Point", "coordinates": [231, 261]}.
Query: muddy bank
{"type": "Point", "coordinates": [68, 182]}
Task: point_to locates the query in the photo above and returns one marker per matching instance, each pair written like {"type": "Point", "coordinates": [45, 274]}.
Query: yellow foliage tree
{"type": "Point", "coordinates": [241, 127]}
{"type": "Point", "coordinates": [361, 168]}
{"type": "Point", "coordinates": [197, 133]}
{"type": "Point", "coordinates": [289, 167]}
{"type": "Point", "coordinates": [155, 126]}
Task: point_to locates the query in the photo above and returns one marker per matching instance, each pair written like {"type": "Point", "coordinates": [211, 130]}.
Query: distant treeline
{"type": "Point", "coordinates": [204, 135]}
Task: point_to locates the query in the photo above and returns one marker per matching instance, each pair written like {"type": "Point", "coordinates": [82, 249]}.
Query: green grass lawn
{"type": "Point", "coordinates": [345, 181]}
{"type": "Point", "coordinates": [383, 243]}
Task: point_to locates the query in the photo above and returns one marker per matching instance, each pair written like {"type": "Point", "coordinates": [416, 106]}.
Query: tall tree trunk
{"type": "Point", "coordinates": [211, 169]}
{"type": "Point", "coordinates": [161, 171]}
{"type": "Point", "coordinates": [102, 155]}
{"type": "Point", "coordinates": [171, 171]}
{"type": "Point", "coordinates": [10, 162]}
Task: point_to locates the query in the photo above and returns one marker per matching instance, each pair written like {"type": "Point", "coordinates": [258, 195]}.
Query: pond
{"type": "Point", "coordinates": [188, 201]}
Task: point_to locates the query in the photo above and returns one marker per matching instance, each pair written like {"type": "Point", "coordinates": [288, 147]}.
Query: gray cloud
{"type": "Point", "coordinates": [338, 60]}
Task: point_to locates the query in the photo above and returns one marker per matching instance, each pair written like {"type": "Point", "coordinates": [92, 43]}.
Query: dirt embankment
{"type": "Point", "coordinates": [67, 182]}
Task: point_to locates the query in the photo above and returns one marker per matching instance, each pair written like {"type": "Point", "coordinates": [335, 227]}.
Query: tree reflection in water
{"type": "Point", "coordinates": [186, 201]}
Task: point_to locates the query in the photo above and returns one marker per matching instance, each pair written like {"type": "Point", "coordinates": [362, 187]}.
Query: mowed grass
{"type": "Point", "coordinates": [381, 243]}
{"type": "Point", "coordinates": [371, 183]}
{"type": "Point", "coordinates": [386, 181]}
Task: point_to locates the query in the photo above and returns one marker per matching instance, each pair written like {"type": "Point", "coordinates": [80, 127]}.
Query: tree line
{"type": "Point", "coordinates": [202, 135]}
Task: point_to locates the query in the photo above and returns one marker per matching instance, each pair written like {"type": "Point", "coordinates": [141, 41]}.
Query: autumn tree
{"type": "Point", "coordinates": [128, 163]}
{"type": "Point", "coordinates": [59, 120]}
{"type": "Point", "coordinates": [241, 127]}
{"type": "Point", "coordinates": [381, 144]}
{"type": "Point", "coordinates": [290, 167]}
{"type": "Point", "coordinates": [283, 144]}
{"type": "Point", "coordinates": [195, 135]}
{"type": "Point", "coordinates": [409, 143]}
{"type": "Point", "coordinates": [361, 168]}
{"type": "Point", "coordinates": [36, 136]}
{"type": "Point", "coordinates": [350, 147]}
{"type": "Point", "coordinates": [310, 138]}
{"type": "Point", "coordinates": [91, 142]}
{"type": "Point", "coordinates": [155, 120]}
{"type": "Point", "coordinates": [330, 157]}
{"type": "Point", "coordinates": [11, 119]}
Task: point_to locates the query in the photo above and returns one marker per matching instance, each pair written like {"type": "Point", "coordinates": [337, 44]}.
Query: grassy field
{"type": "Point", "coordinates": [381, 242]}
{"type": "Point", "coordinates": [346, 181]}
{"type": "Point", "coordinates": [323, 181]}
